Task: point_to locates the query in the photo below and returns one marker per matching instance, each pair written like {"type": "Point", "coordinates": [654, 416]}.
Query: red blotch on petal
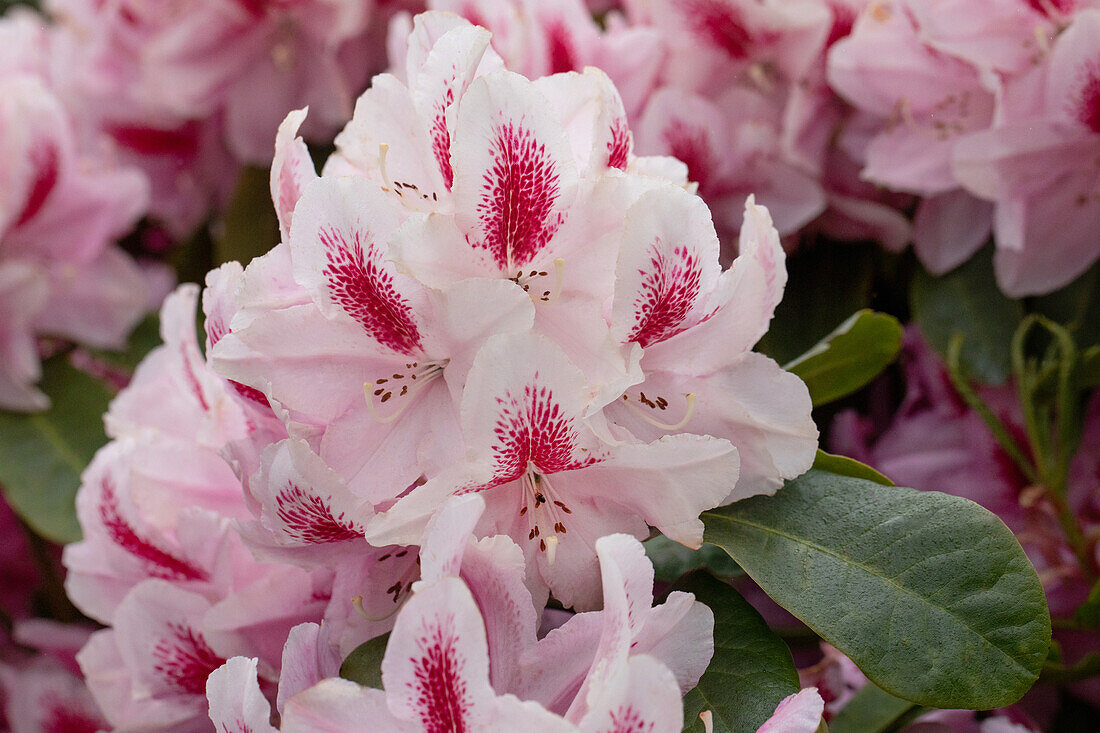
{"type": "Point", "coordinates": [562, 54]}
{"type": "Point", "coordinates": [441, 137]}
{"type": "Point", "coordinates": [309, 519]}
{"type": "Point", "coordinates": [1088, 104]}
{"type": "Point", "coordinates": [158, 563]}
{"type": "Point", "coordinates": [691, 146]}
{"type": "Point", "coordinates": [45, 160]}
{"type": "Point", "coordinates": [618, 147]}
{"type": "Point", "coordinates": [521, 189]}
{"type": "Point", "coordinates": [181, 143]}
{"type": "Point", "coordinates": [532, 429]}
{"type": "Point", "coordinates": [366, 292]}
{"type": "Point", "coordinates": [628, 720]}
{"type": "Point", "coordinates": [720, 24]}
{"type": "Point", "coordinates": [60, 718]}
{"type": "Point", "coordinates": [442, 699]}
{"type": "Point", "coordinates": [184, 660]}
{"type": "Point", "coordinates": [670, 287]}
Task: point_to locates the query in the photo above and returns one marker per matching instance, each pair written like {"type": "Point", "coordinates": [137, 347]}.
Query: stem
{"type": "Point", "coordinates": [971, 398]}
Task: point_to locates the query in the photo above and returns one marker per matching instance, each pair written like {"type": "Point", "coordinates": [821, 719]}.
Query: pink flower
{"type": "Point", "coordinates": [61, 208]}
{"type": "Point", "coordinates": [548, 479]}
{"type": "Point", "coordinates": [1039, 168]}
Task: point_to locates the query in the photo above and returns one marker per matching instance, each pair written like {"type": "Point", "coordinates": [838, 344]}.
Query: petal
{"type": "Point", "coordinates": [446, 537]}
{"type": "Point", "coordinates": [641, 694]}
{"type": "Point", "coordinates": [291, 170]}
{"type": "Point", "coordinates": [514, 174]}
{"type": "Point", "coordinates": [742, 305]}
{"type": "Point", "coordinates": [436, 667]}
{"type": "Point", "coordinates": [592, 111]}
{"type": "Point", "coordinates": [304, 502]}
{"type": "Point", "coordinates": [761, 409]}
{"type": "Point", "coordinates": [949, 228]}
{"type": "Point", "coordinates": [668, 482]}
{"type": "Point", "coordinates": [668, 265]}
{"type": "Point", "coordinates": [236, 702]}
{"type": "Point", "coordinates": [798, 713]}
{"type": "Point", "coordinates": [339, 706]}
{"type": "Point", "coordinates": [308, 658]}
{"type": "Point", "coordinates": [338, 244]}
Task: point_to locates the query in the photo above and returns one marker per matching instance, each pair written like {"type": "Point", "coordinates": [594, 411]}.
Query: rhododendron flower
{"type": "Point", "coordinates": [61, 207]}
{"type": "Point", "coordinates": [549, 481]}
{"type": "Point", "coordinates": [1039, 167]}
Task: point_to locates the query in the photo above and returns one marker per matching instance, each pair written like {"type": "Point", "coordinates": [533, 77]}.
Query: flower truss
{"type": "Point", "coordinates": [62, 206]}
{"type": "Point", "coordinates": [493, 349]}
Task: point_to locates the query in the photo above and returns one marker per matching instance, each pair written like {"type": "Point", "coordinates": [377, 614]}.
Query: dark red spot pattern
{"type": "Point", "coordinates": [628, 720]}
{"type": "Point", "coordinates": [670, 287]}
{"type": "Point", "coordinates": [184, 660]}
{"type": "Point", "coordinates": [45, 160]}
{"type": "Point", "coordinates": [517, 208]}
{"type": "Point", "coordinates": [441, 136]}
{"type": "Point", "coordinates": [442, 699]}
{"type": "Point", "coordinates": [359, 285]}
{"type": "Point", "coordinates": [158, 563]}
{"type": "Point", "coordinates": [720, 24]}
{"type": "Point", "coordinates": [307, 517]}
{"type": "Point", "coordinates": [618, 147]}
{"type": "Point", "coordinates": [1088, 104]}
{"type": "Point", "coordinates": [532, 429]}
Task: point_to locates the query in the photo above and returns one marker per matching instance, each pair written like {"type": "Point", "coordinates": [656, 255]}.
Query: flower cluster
{"type": "Point", "coordinates": [493, 349]}
{"type": "Point", "coordinates": [846, 116]}
{"type": "Point", "coordinates": [991, 112]}
{"type": "Point", "coordinates": [63, 203]}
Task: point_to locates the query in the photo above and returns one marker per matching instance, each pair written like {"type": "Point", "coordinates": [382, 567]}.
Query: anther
{"type": "Point", "coordinates": [690, 410]}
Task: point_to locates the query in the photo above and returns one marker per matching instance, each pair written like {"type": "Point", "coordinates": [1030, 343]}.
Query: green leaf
{"type": "Point", "coordinates": [844, 466]}
{"type": "Point", "coordinates": [967, 301]}
{"type": "Point", "coordinates": [43, 454]}
{"type": "Point", "coordinates": [851, 356]}
{"type": "Point", "coordinates": [1088, 613]}
{"type": "Point", "coordinates": [826, 283]}
{"type": "Point", "coordinates": [871, 710]}
{"type": "Point", "coordinates": [249, 227]}
{"type": "Point", "coordinates": [751, 671]}
{"type": "Point", "coordinates": [929, 594]}
{"type": "Point", "coordinates": [672, 560]}
{"type": "Point", "coordinates": [364, 664]}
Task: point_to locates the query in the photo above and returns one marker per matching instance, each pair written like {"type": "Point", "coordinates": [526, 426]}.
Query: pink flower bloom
{"type": "Point", "coordinates": [442, 663]}
{"type": "Point", "coordinates": [798, 713]}
{"type": "Point", "coordinates": [697, 325]}
{"type": "Point", "coordinates": [523, 420]}
{"type": "Point", "coordinates": [1039, 168]}
{"type": "Point", "coordinates": [236, 703]}
{"type": "Point", "coordinates": [60, 210]}
{"type": "Point", "coordinates": [42, 696]}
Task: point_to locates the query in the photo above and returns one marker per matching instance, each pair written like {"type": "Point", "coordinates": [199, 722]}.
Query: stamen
{"type": "Point", "coordinates": [708, 721]}
{"type": "Point", "coordinates": [357, 603]}
{"type": "Point", "coordinates": [551, 548]}
{"type": "Point", "coordinates": [559, 276]}
{"type": "Point", "coordinates": [383, 149]}
{"type": "Point", "coordinates": [689, 397]}
{"type": "Point", "coordinates": [427, 375]}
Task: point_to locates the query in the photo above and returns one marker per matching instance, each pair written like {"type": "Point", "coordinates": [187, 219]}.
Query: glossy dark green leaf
{"type": "Point", "coordinates": [249, 227]}
{"type": "Point", "coordinates": [844, 466]}
{"type": "Point", "coordinates": [671, 559]}
{"type": "Point", "coordinates": [364, 664]}
{"type": "Point", "coordinates": [967, 301]}
{"type": "Point", "coordinates": [826, 283]}
{"type": "Point", "coordinates": [929, 594]}
{"type": "Point", "coordinates": [871, 710]}
{"type": "Point", "coordinates": [851, 356]}
{"type": "Point", "coordinates": [43, 454]}
{"type": "Point", "coordinates": [751, 671]}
